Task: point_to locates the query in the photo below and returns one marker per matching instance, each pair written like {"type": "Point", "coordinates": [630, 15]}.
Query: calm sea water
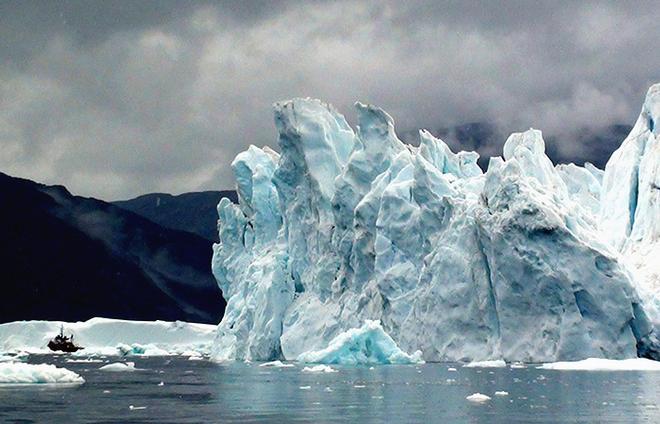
{"type": "Point", "coordinates": [200, 391]}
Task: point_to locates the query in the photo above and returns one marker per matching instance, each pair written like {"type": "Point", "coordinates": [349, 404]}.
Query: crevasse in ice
{"type": "Point", "coordinates": [525, 262]}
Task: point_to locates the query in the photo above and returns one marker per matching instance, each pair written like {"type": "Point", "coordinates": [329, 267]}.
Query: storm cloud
{"type": "Point", "coordinates": [118, 98]}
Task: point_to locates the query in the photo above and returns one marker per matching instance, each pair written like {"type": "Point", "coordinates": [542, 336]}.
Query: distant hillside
{"type": "Point", "coordinates": [65, 257]}
{"type": "Point", "coordinates": [192, 212]}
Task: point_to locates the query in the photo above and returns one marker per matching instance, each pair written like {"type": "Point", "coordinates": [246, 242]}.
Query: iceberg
{"type": "Point", "coordinates": [21, 373]}
{"type": "Point", "coordinates": [103, 336]}
{"type": "Point", "coordinates": [368, 344]}
{"type": "Point", "coordinates": [630, 204]}
{"type": "Point", "coordinates": [526, 262]}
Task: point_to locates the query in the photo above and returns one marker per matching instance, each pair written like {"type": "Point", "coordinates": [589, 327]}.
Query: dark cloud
{"type": "Point", "coordinates": [119, 98]}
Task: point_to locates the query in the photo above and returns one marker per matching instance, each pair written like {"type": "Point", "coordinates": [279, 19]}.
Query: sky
{"type": "Point", "coordinates": [114, 99]}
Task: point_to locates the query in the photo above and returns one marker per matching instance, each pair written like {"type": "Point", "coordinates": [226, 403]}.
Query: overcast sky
{"type": "Point", "coordinates": [114, 99]}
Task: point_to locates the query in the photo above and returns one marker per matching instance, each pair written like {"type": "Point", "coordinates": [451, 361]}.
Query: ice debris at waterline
{"type": "Point", "coordinates": [526, 262]}
{"type": "Point", "coordinates": [498, 363]}
{"type": "Point", "coordinates": [599, 364]}
{"type": "Point", "coordinates": [276, 364]}
{"type": "Point", "coordinates": [120, 367]}
{"type": "Point", "coordinates": [14, 357]}
{"type": "Point", "coordinates": [319, 369]}
{"type": "Point", "coordinates": [102, 336]}
{"type": "Point", "coordinates": [21, 373]}
{"type": "Point", "coordinates": [368, 344]}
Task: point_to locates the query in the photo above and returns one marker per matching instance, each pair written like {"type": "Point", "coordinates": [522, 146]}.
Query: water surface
{"type": "Point", "coordinates": [200, 391]}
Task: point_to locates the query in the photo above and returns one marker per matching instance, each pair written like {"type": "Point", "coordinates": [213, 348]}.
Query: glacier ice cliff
{"type": "Point", "coordinates": [525, 262]}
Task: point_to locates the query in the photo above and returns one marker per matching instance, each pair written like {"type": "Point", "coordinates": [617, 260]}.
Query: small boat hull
{"type": "Point", "coordinates": [63, 347]}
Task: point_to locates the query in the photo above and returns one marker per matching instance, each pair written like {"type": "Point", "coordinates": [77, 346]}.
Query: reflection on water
{"type": "Point", "coordinates": [195, 391]}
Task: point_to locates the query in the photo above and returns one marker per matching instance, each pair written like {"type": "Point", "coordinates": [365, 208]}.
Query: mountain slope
{"type": "Point", "coordinates": [192, 212]}
{"type": "Point", "coordinates": [65, 257]}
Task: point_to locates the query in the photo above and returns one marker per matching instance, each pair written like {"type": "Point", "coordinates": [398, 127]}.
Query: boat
{"type": "Point", "coordinates": [62, 343]}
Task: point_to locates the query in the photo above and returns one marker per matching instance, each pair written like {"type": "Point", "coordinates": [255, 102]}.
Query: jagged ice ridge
{"type": "Point", "coordinates": [526, 262]}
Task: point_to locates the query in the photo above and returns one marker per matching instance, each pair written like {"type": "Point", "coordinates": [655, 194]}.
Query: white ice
{"type": "Point", "coordinates": [276, 364]}
{"type": "Point", "coordinates": [599, 364]}
{"type": "Point", "coordinates": [527, 262]}
{"type": "Point", "coordinates": [102, 336]}
{"type": "Point", "coordinates": [368, 344]}
{"type": "Point", "coordinates": [478, 398]}
{"type": "Point", "coordinates": [21, 373]}
{"type": "Point", "coordinates": [319, 369]}
{"type": "Point", "coordinates": [120, 367]}
{"type": "Point", "coordinates": [498, 363]}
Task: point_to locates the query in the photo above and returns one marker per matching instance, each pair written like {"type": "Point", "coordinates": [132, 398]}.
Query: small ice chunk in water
{"type": "Point", "coordinates": [119, 367]}
{"type": "Point", "coordinates": [319, 368]}
{"type": "Point", "coordinates": [276, 364]}
{"type": "Point", "coordinates": [498, 363]}
{"type": "Point", "coordinates": [161, 383]}
{"type": "Point", "coordinates": [136, 408]}
{"type": "Point", "coordinates": [451, 369]}
{"type": "Point", "coordinates": [478, 397]}
{"type": "Point", "coordinates": [501, 393]}
{"type": "Point", "coordinates": [305, 387]}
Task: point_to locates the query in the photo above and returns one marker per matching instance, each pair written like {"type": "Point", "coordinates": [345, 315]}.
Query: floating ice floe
{"type": "Point", "coordinates": [276, 364]}
{"type": "Point", "coordinates": [498, 363]}
{"type": "Point", "coordinates": [84, 361]}
{"type": "Point", "coordinates": [478, 398]}
{"type": "Point", "coordinates": [120, 367]}
{"type": "Point", "coordinates": [319, 368]}
{"type": "Point", "coordinates": [501, 393]}
{"type": "Point", "coordinates": [369, 344]}
{"type": "Point", "coordinates": [598, 364]}
{"type": "Point", "coordinates": [21, 373]}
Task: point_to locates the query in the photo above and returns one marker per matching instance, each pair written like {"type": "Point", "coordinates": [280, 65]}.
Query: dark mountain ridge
{"type": "Point", "coordinates": [192, 212]}
{"type": "Point", "coordinates": [65, 257]}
